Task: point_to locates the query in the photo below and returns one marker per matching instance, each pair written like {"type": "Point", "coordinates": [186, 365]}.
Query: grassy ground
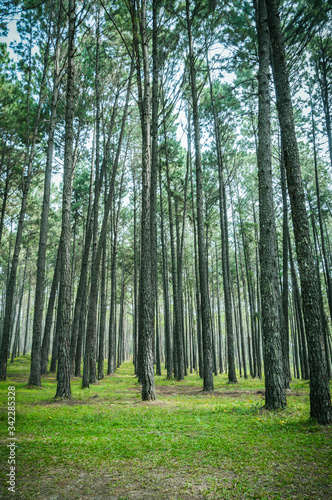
{"type": "Point", "coordinates": [107, 444]}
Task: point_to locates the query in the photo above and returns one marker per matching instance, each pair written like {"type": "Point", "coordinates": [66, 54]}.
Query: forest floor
{"type": "Point", "coordinates": [106, 443]}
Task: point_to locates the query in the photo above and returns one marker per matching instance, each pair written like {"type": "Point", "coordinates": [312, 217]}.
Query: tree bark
{"type": "Point", "coordinates": [177, 335]}
{"type": "Point", "coordinates": [275, 394]}
{"type": "Point", "coordinates": [285, 273]}
{"type": "Point", "coordinates": [167, 328]}
{"type": "Point", "coordinates": [206, 330]}
{"type": "Point", "coordinates": [64, 306]}
{"type": "Point", "coordinates": [320, 400]}
{"type": "Point", "coordinates": [154, 169]}
{"type": "Point", "coordinates": [27, 320]}
{"type": "Point", "coordinates": [102, 322]}
{"type": "Point", "coordinates": [36, 355]}
{"type": "Point", "coordinates": [146, 305]}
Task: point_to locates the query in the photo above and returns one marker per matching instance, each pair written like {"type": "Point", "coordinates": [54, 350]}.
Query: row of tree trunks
{"type": "Point", "coordinates": [89, 368]}
{"type": "Point", "coordinates": [26, 181]}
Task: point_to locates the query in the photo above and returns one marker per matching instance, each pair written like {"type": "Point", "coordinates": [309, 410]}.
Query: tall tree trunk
{"type": "Point", "coordinates": [180, 250]}
{"type": "Point", "coordinates": [35, 367]}
{"type": "Point", "coordinates": [4, 196]}
{"type": "Point", "coordinates": [224, 242]}
{"type": "Point", "coordinates": [320, 400]}
{"type": "Point", "coordinates": [55, 343]}
{"type": "Point", "coordinates": [27, 319]}
{"type": "Point", "coordinates": [102, 322]}
{"type": "Point", "coordinates": [258, 298]}
{"type": "Point", "coordinates": [17, 332]}
{"type": "Point", "coordinates": [243, 350]}
{"type": "Point", "coordinates": [121, 320]}
{"type": "Point", "coordinates": [178, 359]}
{"type": "Point", "coordinates": [135, 317]}
{"type": "Point", "coordinates": [285, 273]}
{"type": "Point", "coordinates": [154, 168]}
{"type": "Point", "coordinates": [146, 305]}
{"type": "Point", "coordinates": [167, 328]}
{"type": "Point", "coordinates": [197, 294]}
{"type": "Point", "coordinates": [112, 326]}
{"type": "Point", "coordinates": [111, 366]}
{"type": "Point", "coordinates": [251, 342]}
{"type": "Point", "coordinates": [221, 367]}
{"type": "Point", "coordinates": [64, 306]}
{"type": "Point", "coordinates": [81, 332]}
{"type": "Point", "coordinates": [275, 394]}
{"type": "Point", "coordinates": [206, 330]}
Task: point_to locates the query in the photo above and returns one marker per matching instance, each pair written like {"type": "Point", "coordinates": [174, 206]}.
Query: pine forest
{"type": "Point", "coordinates": [166, 249]}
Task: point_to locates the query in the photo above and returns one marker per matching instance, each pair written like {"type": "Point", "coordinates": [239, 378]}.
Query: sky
{"type": "Point", "coordinates": [12, 36]}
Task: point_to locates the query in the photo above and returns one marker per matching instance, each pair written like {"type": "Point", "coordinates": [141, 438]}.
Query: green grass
{"type": "Point", "coordinates": [186, 445]}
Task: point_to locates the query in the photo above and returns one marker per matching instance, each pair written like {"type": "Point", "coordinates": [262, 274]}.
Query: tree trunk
{"type": "Point", "coordinates": [112, 327]}
{"type": "Point", "coordinates": [102, 322]}
{"type": "Point", "coordinates": [275, 394]}
{"type": "Point", "coordinates": [135, 312]}
{"type": "Point", "coordinates": [178, 359]}
{"type": "Point", "coordinates": [4, 201]}
{"type": "Point", "coordinates": [55, 345]}
{"type": "Point", "coordinates": [146, 305]}
{"type": "Point", "coordinates": [243, 350]}
{"type": "Point", "coordinates": [27, 319]}
{"type": "Point", "coordinates": [206, 330]}
{"type": "Point", "coordinates": [320, 400]}
{"type": "Point", "coordinates": [167, 328]}
{"type": "Point", "coordinates": [64, 306]}
{"type": "Point", "coordinates": [81, 332]}
{"type": "Point", "coordinates": [154, 171]}
{"type": "Point", "coordinates": [197, 294]}
{"type": "Point", "coordinates": [285, 273]}
{"type": "Point", "coordinates": [36, 354]}
{"type": "Point", "coordinates": [17, 330]}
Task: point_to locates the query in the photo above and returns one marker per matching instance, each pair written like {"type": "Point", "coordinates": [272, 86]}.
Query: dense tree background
{"type": "Point", "coordinates": [165, 178]}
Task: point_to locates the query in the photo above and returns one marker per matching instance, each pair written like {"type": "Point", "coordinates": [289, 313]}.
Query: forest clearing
{"type": "Point", "coordinates": [106, 443]}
